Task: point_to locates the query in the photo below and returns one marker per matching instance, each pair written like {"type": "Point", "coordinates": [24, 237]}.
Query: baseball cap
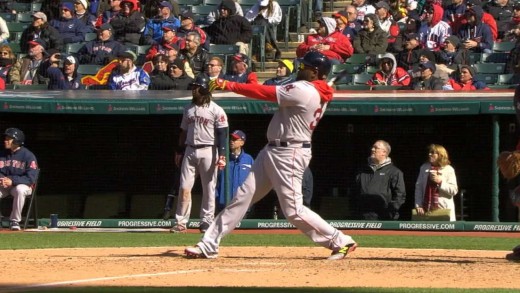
{"type": "Point", "coordinates": [40, 15]}
{"type": "Point", "coordinates": [339, 14]}
{"type": "Point", "coordinates": [128, 54]}
{"type": "Point", "coordinates": [264, 2]}
{"type": "Point", "coordinates": [427, 65]}
{"type": "Point", "coordinates": [169, 27]}
{"type": "Point", "coordinates": [239, 57]}
{"type": "Point", "coordinates": [186, 14]}
{"type": "Point", "coordinates": [67, 5]}
{"type": "Point", "coordinates": [454, 40]}
{"type": "Point", "coordinates": [412, 36]}
{"type": "Point", "coordinates": [70, 59]}
{"type": "Point", "coordinates": [83, 2]}
{"type": "Point", "coordinates": [179, 63]}
{"type": "Point", "coordinates": [105, 27]}
{"type": "Point", "coordinates": [288, 64]}
{"type": "Point", "coordinates": [166, 4]}
{"type": "Point", "coordinates": [382, 4]}
{"type": "Point", "coordinates": [38, 42]}
{"type": "Point", "coordinates": [238, 134]}
{"type": "Point", "coordinates": [473, 2]}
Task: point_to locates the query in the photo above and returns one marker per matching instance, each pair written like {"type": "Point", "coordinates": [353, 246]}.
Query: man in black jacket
{"type": "Point", "coordinates": [41, 28]}
{"type": "Point", "coordinates": [380, 186]}
{"type": "Point", "coordinates": [230, 28]}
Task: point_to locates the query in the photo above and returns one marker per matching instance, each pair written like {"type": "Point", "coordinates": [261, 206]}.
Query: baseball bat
{"type": "Point", "coordinates": [338, 77]}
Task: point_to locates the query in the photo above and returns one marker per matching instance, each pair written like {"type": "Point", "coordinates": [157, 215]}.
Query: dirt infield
{"type": "Point", "coordinates": [256, 266]}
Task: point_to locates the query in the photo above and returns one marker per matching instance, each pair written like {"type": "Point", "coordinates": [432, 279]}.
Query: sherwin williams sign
{"type": "Point", "coordinates": [421, 108]}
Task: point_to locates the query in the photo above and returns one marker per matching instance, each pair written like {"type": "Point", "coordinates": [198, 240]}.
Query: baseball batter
{"type": "Point", "coordinates": [281, 163]}
{"type": "Point", "coordinates": [202, 143]}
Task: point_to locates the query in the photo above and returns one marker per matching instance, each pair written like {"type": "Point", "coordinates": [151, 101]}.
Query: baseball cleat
{"type": "Point", "coordinates": [178, 229]}
{"type": "Point", "coordinates": [197, 252]}
{"type": "Point", "coordinates": [15, 226]}
{"type": "Point", "coordinates": [342, 253]}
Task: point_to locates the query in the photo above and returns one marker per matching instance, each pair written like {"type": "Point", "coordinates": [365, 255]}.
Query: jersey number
{"type": "Point", "coordinates": [317, 116]}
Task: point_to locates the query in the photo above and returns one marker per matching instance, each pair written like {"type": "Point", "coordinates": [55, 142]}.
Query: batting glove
{"type": "Point", "coordinates": [221, 163]}
{"type": "Point", "coordinates": [217, 83]}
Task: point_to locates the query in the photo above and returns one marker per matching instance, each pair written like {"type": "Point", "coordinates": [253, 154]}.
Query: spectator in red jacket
{"type": "Point", "coordinates": [464, 80]}
{"type": "Point", "coordinates": [241, 72]}
{"type": "Point", "coordinates": [169, 40]}
{"type": "Point", "coordinates": [329, 41]}
{"type": "Point", "coordinates": [389, 73]}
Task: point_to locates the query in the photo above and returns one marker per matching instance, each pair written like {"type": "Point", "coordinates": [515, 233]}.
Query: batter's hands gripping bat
{"type": "Point", "coordinates": [338, 77]}
{"type": "Point", "coordinates": [217, 83]}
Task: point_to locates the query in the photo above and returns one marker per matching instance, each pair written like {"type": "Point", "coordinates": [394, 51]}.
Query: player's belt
{"type": "Point", "coordinates": [286, 144]}
{"type": "Point", "coordinates": [200, 146]}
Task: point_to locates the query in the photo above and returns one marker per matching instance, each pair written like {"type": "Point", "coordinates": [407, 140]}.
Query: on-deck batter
{"type": "Point", "coordinates": [281, 163]}
{"type": "Point", "coordinates": [203, 133]}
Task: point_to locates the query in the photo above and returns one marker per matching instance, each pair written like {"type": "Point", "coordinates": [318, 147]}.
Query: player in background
{"type": "Point", "coordinates": [18, 173]}
{"type": "Point", "coordinates": [201, 150]}
{"type": "Point", "coordinates": [281, 163]}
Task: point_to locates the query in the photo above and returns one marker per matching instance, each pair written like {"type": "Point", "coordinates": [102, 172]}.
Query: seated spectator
{"type": "Point", "coordinates": [187, 26]}
{"type": "Point", "coordinates": [29, 71]}
{"type": "Point", "coordinates": [454, 15]}
{"type": "Point", "coordinates": [8, 60]}
{"type": "Point", "coordinates": [241, 72]}
{"type": "Point", "coordinates": [283, 74]}
{"type": "Point", "coordinates": [71, 29]}
{"type": "Point", "coordinates": [464, 80]}
{"type": "Point", "coordinates": [128, 76]}
{"type": "Point", "coordinates": [475, 35]}
{"type": "Point", "coordinates": [109, 14]}
{"type": "Point", "coordinates": [513, 63]}
{"type": "Point", "coordinates": [411, 26]}
{"type": "Point", "coordinates": [453, 54]}
{"type": "Point", "coordinates": [150, 8]}
{"type": "Point", "coordinates": [195, 55]}
{"type": "Point", "coordinates": [386, 21]}
{"type": "Point", "coordinates": [81, 13]}
{"type": "Point", "coordinates": [215, 66]}
{"type": "Point", "coordinates": [129, 23]}
{"type": "Point", "coordinates": [169, 40]}
{"type": "Point", "coordinates": [101, 51]}
{"type": "Point", "coordinates": [427, 81]}
{"type": "Point", "coordinates": [213, 15]}
{"type": "Point", "coordinates": [486, 18]}
{"type": "Point", "coordinates": [389, 73]}
{"type": "Point", "coordinates": [501, 11]}
{"type": "Point", "coordinates": [433, 30]}
{"type": "Point", "coordinates": [64, 78]}
{"type": "Point", "coordinates": [153, 32]}
{"type": "Point", "coordinates": [371, 39]}
{"type": "Point", "coordinates": [408, 59]}
{"type": "Point", "coordinates": [230, 28]}
{"type": "Point", "coordinates": [267, 13]}
{"type": "Point", "coordinates": [160, 77]}
{"type": "Point", "coordinates": [4, 32]}
{"type": "Point", "coordinates": [513, 24]}
{"type": "Point", "coordinates": [441, 71]}
{"type": "Point", "coordinates": [40, 27]}
{"type": "Point", "coordinates": [347, 22]}
{"type": "Point", "coordinates": [363, 8]}
{"type": "Point", "coordinates": [328, 41]}
{"type": "Point", "coordinates": [181, 80]}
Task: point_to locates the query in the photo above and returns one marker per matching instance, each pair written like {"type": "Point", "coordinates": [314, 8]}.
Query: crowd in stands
{"type": "Point", "coordinates": [404, 43]}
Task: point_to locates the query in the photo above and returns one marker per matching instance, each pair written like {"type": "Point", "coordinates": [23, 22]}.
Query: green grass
{"type": "Point", "coordinates": [78, 240]}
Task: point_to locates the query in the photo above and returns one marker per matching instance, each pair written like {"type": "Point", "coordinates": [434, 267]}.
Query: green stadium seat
{"type": "Point", "coordinates": [88, 69]}
{"type": "Point", "coordinates": [259, 32]}
{"type": "Point", "coordinates": [355, 87]}
{"type": "Point", "coordinates": [503, 46]}
{"type": "Point", "coordinates": [17, 26]}
{"type": "Point", "coordinates": [488, 78]}
{"type": "Point", "coordinates": [90, 37]}
{"type": "Point", "coordinates": [358, 59]}
{"type": "Point", "coordinates": [202, 10]}
{"type": "Point", "coordinates": [508, 79]}
{"type": "Point", "coordinates": [190, 2]}
{"type": "Point", "coordinates": [31, 87]}
{"type": "Point", "coordinates": [474, 57]}
{"type": "Point", "coordinates": [372, 69]}
{"type": "Point", "coordinates": [8, 17]}
{"type": "Point", "coordinates": [213, 2]}
{"type": "Point", "coordinates": [15, 47]}
{"type": "Point", "coordinates": [496, 68]}
{"type": "Point", "coordinates": [73, 48]}
{"type": "Point", "coordinates": [361, 78]}
{"type": "Point", "coordinates": [495, 57]}
{"type": "Point", "coordinates": [24, 17]}
{"type": "Point", "coordinates": [350, 68]}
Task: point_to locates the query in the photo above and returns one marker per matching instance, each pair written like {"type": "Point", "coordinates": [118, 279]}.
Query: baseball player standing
{"type": "Point", "coordinates": [281, 163]}
{"type": "Point", "coordinates": [202, 143]}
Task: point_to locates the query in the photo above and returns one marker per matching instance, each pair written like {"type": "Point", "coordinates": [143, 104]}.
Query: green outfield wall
{"type": "Point", "coordinates": [109, 154]}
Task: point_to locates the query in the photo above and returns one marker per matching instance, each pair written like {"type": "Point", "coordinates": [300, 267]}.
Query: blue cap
{"type": "Point", "coordinates": [238, 134]}
{"type": "Point", "coordinates": [67, 5]}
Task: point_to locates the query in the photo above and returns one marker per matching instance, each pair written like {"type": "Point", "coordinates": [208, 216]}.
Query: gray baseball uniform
{"type": "Point", "coordinates": [200, 156]}
{"type": "Point", "coordinates": [280, 165]}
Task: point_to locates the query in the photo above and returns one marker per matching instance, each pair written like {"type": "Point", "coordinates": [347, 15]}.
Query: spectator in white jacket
{"type": "Point", "coordinates": [4, 32]}
{"type": "Point", "coordinates": [267, 13]}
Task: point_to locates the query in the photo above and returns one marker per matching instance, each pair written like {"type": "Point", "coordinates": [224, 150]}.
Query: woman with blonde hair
{"type": "Point", "coordinates": [7, 61]}
{"type": "Point", "coordinates": [267, 13]}
{"type": "Point", "coordinates": [436, 184]}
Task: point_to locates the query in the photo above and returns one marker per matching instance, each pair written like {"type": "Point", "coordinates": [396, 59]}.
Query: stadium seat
{"type": "Point", "coordinates": [190, 2]}
{"type": "Point", "coordinates": [32, 87]}
{"type": "Point", "coordinates": [73, 48]}
{"type": "Point", "coordinates": [372, 69]}
{"type": "Point", "coordinates": [90, 37]}
{"type": "Point", "coordinates": [17, 26]}
{"type": "Point", "coordinates": [24, 17]}
{"type": "Point", "coordinates": [501, 86]}
{"type": "Point", "coordinates": [15, 47]}
{"type": "Point", "coordinates": [213, 2]}
{"type": "Point", "coordinates": [358, 59]}
{"type": "Point", "coordinates": [8, 17]}
{"type": "Point", "coordinates": [202, 10]}
{"type": "Point", "coordinates": [388, 87]}
{"type": "Point", "coordinates": [355, 87]}
{"type": "Point", "coordinates": [496, 68]}
{"type": "Point", "coordinates": [495, 57]}
{"type": "Point", "coordinates": [508, 79]}
{"type": "Point", "coordinates": [20, 7]}
{"type": "Point", "coordinates": [88, 69]}
{"type": "Point", "coordinates": [474, 57]}
{"type": "Point", "coordinates": [223, 51]}
{"type": "Point", "coordinates": [503, 46]}
{"type": "Point", "coordinates": [488, 78]}
{"type": "Point", "coordinates": [361, 78]}
{"type": "Point", "coordinates": [259, 32]}
{"type": "Point", "coordinates": [349, 68]}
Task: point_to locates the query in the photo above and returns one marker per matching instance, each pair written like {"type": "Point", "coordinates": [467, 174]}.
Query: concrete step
{"type": "Point", "coordinates": [338, 5]}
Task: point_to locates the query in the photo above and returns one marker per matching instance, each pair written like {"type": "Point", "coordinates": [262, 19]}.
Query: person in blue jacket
{"type": "Point", "coordinates": [62, 72]}
{"type": "Point", "coordinates": [239, 166]}
{"type": "Point", "coordinates": [153, 31]}
{"type": "Point", "coordinates": [18, 173]}
{"type": "Point", "coordinates": [71, 29]}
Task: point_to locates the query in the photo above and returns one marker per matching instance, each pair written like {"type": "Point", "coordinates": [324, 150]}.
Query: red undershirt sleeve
{"type": "Point", "coordinates": [255, 91]}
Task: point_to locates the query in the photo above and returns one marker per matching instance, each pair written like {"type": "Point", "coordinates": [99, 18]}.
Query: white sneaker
{"type": "Point", "coordinates": [342, 253]}
{"type": "Point", "coordinates": [197, 252]}
{"type": "Point", "coordinates": [15, 226]}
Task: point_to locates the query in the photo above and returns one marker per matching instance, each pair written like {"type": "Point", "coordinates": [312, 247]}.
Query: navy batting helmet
{"type": "Point", "coordinates": [319, 61]}
{"type": "Point", "coordinates": [203, 81]}
{"type": "Point", "coordinates": [16, 134]}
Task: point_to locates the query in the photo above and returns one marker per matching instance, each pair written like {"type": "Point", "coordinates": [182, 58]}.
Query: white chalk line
{"type": "Point", "coordinates": [72, 282]}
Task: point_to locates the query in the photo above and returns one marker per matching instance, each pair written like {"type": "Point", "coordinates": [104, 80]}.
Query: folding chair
{"type": "Point", "coordinates": [33, 207]}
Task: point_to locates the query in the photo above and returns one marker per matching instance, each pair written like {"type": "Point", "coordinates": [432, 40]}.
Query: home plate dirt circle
{"type": "Point", "coordinates": [257, 266]}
